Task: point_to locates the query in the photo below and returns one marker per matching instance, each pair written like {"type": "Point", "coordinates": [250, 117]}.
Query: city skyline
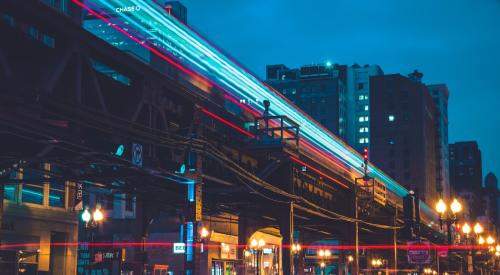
{"type": "Point", "coordinates": [445, 45]}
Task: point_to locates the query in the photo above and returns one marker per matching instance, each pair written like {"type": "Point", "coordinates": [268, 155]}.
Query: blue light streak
{"type": "Point", "coordinates": [185, 46]}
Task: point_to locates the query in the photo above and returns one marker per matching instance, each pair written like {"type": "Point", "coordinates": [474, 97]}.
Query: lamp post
{"type": "Point", "coordinates": [376, 264]}
{"type": "Point", "coordinates": [296, 248]}
{"type": "Point", "coordinates": [257, 247]}
{"type": "Point", "coordinates": [446, 217]}
{"type": "Point", "coordinates": [92, 222]}
{"type": "Point", "coordinates": [324, 254]}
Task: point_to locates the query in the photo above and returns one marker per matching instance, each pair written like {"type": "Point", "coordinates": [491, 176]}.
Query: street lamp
{"type": "Point", "coordinates": [257, 246]}
{"type": "Point", "coordinates": [445, 217]}
{"type": "Point", "coordinates": [478, 228]}
{"type": "Point", "coordinates": [480, 240]}
{"type": "Point", "coordinates": [466, 229]}
{"type": "Point", "coordinates": [92, 222]}
{"type": "Point", "coordinates": [296, 248]}
{"type": "Point", "coordinates": [324, 254]}
{"type": "Point", "coordinates": [489, 240]}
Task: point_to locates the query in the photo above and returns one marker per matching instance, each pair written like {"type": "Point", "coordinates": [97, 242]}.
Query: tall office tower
{"type": "Point", "coordinates": [439, 93]}
{"type": "Point", "coordinates": [402, 132]}
{"type": "Point", "coordinates": [466, 174]}
{"type": "Point", "coordinates": [358, 104]}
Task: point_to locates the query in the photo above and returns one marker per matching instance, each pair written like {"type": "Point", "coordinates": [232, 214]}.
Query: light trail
{"type": "Point", "coordinates": [217, 69]}
{"type": "Point", "coordinates": [313, 246]}
{"type": "Point", "coordinates": [239, 129]}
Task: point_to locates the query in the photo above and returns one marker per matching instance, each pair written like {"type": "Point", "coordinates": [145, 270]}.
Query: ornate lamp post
{"type": "Point", "coordinates": [324, 254]}
{"type": "Point", "coordinates": [446, 217]}
{"type": "Point", "coordinates": [92, 222]}
{"type": "Point", "coordinates": [296, 248]}
{"type": "Point", "coordinates": [257, 247]}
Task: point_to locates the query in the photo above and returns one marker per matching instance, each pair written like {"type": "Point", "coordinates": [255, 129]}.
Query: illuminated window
{"type": "Point", "coordinates": [361, 119]}
{"type": "Point", "coordinates": [363, 140]}
{"type": "Point", "coordinates": [363, 129]}
{"type": "Point", "coordinates": [366, 107]}
{"type": "Point", "coordinates": [391, 118]}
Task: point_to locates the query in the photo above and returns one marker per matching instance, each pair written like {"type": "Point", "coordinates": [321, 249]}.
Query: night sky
{"type": "Point", "coordinates": [456, 42]}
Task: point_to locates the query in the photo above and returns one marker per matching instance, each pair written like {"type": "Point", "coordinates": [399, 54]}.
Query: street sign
{"type": "Point", "coordinates": [179, 248]}
{"type": "Point", "coordinates": [421, 255]}
{"type": "Point", "coordinates": [443, 253]}
{"type": "Point", "coordinates": [137, 154]}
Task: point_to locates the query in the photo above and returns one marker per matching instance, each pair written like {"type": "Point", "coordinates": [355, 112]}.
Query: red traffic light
{"type": "Point", "coordinates": [365, 153]}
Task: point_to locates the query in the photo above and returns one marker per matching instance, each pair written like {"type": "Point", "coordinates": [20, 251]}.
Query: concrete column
{"type": "Point", "coordinates": [286, 230]}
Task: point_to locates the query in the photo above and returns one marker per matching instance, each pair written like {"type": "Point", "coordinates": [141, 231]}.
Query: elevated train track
{"type": "Point", "coordinates": [206, 67]}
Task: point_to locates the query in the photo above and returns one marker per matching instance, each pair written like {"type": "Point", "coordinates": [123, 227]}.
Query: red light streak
{"type": "Point", "coordinates": [316, 246]}
{"type": "Point", "coordinates": [241, 130]}
{"type": "Point", "coordinates": [319, 172]}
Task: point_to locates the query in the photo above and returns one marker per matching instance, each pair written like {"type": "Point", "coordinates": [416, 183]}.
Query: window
{"type": "Point", "coordinates": [57, 194]}
{"type": "Point", "coordinates": [363, 140]}
{"type": "Point", "coordinates": [32, 193]}
{"type": "Point", "coordinates": [129, 202]}
{"type": "Point", "coordinates": [363, 119]}
{"type": "Point", "coordinates": [366, 107]}
{"type": "Point", "coordinates": [363, 129]}
{"type": "Point", "coordinates": [10, 192]}
{"type": "Point", "coordinates": [361, 86]}
{"type": "Point", "coordinates": [106, 70]}
{"type": "Point", "coordinates": [391, 118]}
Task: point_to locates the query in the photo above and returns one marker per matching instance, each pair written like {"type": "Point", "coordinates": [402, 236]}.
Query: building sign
{"type": "Point", "coordinates": [78, 197]}
{"type": "Point", "coordinates": [179, 248]}
{"type": "Point", "coordinates": [127, 9]}
{"type": "Point", "coordinates": [421, 255]}
{"type": "Point", "coordinates": [137, 154]}
{"type": "Point", "coordinates": [228, 251]}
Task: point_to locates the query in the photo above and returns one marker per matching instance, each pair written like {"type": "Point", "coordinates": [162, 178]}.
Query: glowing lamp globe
{"type": "Point", "coordinates": [490, 240]}
{"type": "Point", "coordinates": [466, 228]}
{"type": "Point", "coordinates": [441, 206]}
{"type": "Point", "coordinates": [456, 206]}
{"type": "Point", "coordinates": [86, 216]}
{"type": "Point", "coordinates": [478, 229]}
{"type": "Point", "coordinates": [98, 216]}
{"type": "Point", "coordinates": [480, 240]}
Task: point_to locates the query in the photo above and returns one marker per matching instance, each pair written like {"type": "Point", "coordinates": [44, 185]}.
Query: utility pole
{"type": "Point", "coordinates": [194, 202]}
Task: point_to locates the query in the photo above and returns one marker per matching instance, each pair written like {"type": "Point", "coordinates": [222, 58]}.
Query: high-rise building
{"type": "Point", "coordinates": [349, 117]}
{"type": "Point", "coordinates": [319, 90]}
{"type": "Point", "coordinates": [358, 104]}
{"type": "Point", "coordinates": [491, 195]}
{"type": "Point", "coordinates": [465, 166]}
{"type": "Point", "coordinates": [466, 174]}
{"type": "Point", "coordinates": [402, 132]}
{"type": "Point", "coordinates": [439, 93]}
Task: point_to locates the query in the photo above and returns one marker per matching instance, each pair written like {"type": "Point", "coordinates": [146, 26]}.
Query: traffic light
{"type": "Point", "coordinates": [365, 154]}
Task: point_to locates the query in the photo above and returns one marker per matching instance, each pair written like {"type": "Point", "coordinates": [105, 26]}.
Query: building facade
{"type": "Point", "coordinates": [38, 212]}
{"type": "Point", "coordinates": [466, 174]}
{"type": "Point", "coordinates": [440, 94]}
{"type": "Point", "coordinates": [403, 132]}
{"type": "Point", "coordinates": [319, 90]}
{"type": "Point", "coordinates": [491, 196]}
{"type": "Point", "coordinates": [358, 104]}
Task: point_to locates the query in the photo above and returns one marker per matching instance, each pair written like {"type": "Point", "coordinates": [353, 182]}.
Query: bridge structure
{"type": "Point", "coordinates": [198, 141]}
